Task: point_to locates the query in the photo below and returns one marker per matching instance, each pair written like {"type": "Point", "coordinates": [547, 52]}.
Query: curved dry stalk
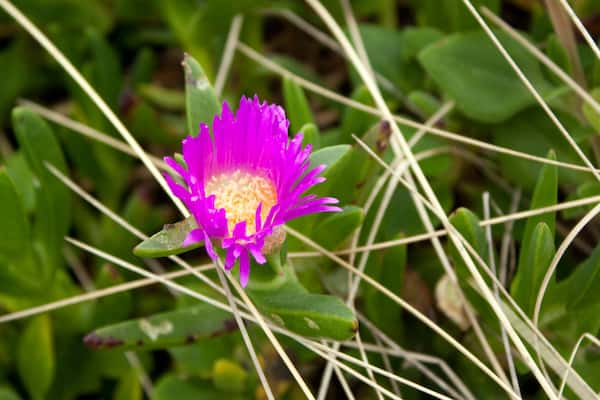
{"type": "Point", "coordinates": [554, 264]}
{"type": "Point", "coordinates": [563, 381]}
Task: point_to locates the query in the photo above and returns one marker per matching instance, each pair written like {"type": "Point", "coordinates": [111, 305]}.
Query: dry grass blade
{"type": "Point", "coordinates": [569, 368]}
{"type": "Point", "coordinates": [228, 52]}
{"type": "Point", "coordinates": [96, 294]}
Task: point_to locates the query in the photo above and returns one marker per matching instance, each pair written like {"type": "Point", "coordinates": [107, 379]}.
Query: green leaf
{"type": "Point", "coordinates": [591, 115]}
{"type": "Point", "coordinates": [388, 268]}
{"type": "Point", "coordinates": [16, 76]}
{"type": "Point", "coordinates": [545, 194]}
{"type": "Point", "coordinates": [169, 241]}
{"type": "Point", "coordinates": [289, 304]}
{"type": "Point", "coordinates": [201, 100]}
{"type": "Point", "coordinates": [296, 106]}
{"type": "Point", "coordinates": [173, 328]}
{"type": "Point", "coordinates": [14, 235]}
{"type": "Point", "coordinates": [198, 359]}
{"type": "Point", "coordinates": [311, 135]}
{"type": "Point", "coordinates": [450, 15]}
{"type": "Point", "coordinates": [424, 102]}
{"type": "Point", "coordinates": [36, 357]}
{"type": "Point", "coordinates": [6, 393]}
{"type": "Point", "coordinates": [173, 387]}
{"type": "Point", "coordinates": [229, 376]}
{"type": "Point", "coordinates": [329, 156]}
{"type": "Point", "coordinates": [468, 225]}
{"type": "Point", "coordinates": [532, 132]}
{"type": "Point", "coordinates": [129, 387]}
{"type": "Point", "coordinates": [393, 53]}
{"type": "Point", "coordinates": [332, 231]}
{"type": "Point", "coordinates": [584, 284]}
{"type": "Point", "coordinates": [536, 259]}
{"type": "Point", "coordinates": [356, 121]}
{"type": "Point", "coordinates": [469, 69]}
{"type": "Point", "coordinates": [168, 99]}
{"type": "Point", "coordinates": [53, 213]}
{"type": "Point", "coordinates": [24, 180]}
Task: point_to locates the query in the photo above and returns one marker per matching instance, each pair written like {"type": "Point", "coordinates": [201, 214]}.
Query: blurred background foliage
{"type": "Point", "coordinates": [430, 51]}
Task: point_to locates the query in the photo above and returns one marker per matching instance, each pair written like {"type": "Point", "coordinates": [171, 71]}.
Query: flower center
{"type": "Point", "coordinates": [240, 193]}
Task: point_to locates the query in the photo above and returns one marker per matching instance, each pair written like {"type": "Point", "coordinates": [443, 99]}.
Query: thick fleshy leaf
{"type": "Point", "coordinates": [180, 388]}
{"type": "Point", "coordinates": [311, 135]}
{"type": "Point", "coordinates": [201, 100]}
{"type": "Point", "coordinates": [169, 241]}
{"type": "Point", "coordinates": [468, 225]}
{"type": "Point", "coordinates": [545, 194]}
{"type": "Point", "coordinates": [388, 268]}
{"type": "Point", "coordinates": [175, 328]}
{"type": "Point", "coordinates": [532, 132]}
{"type": "Point", "coordinates": [53, 210]}
{"type": "Point", "coordinates": [332, 231]}
{"type": "Point", "coordinates": [356, 121]}
{"type": "Point", "coordinates": [285, 301]}
{"type": "Point", "coordinates": [14, 236]}
{"type": "Point", "coordinates": [470, 70]}
{"type": "Point", "coordinates": [229, 376]}
{"type": "Point", "coordinates": [451, 15]}
{"type": "Point", "coordinates": [536, 259]}
{"type": "Point", "coordinates": [36, 357]}
{"type": "Point", "coordinates": [584, 284]}
{"type": "Point", "coordinates": [129, 387]}
{"type": "Point", "coordinates": [329, 156]}
{"type": "Point", "coordinates": [296, 106]}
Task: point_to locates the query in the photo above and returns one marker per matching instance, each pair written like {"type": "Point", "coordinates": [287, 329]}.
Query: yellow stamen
{"type": "Point", "coordinates": [240, 193]}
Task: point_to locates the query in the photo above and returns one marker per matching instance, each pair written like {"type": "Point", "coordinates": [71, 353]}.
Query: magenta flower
{"type": "Point", "coordinates": [245, 181]}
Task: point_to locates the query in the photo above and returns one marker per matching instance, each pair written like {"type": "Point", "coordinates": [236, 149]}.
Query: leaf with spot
{"type": "Point", "coordinates": [173, 328]}
{"type": "Point", "coordinates": [201, 100]}
{"type": "Point", "coordinates": [285, 301]}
